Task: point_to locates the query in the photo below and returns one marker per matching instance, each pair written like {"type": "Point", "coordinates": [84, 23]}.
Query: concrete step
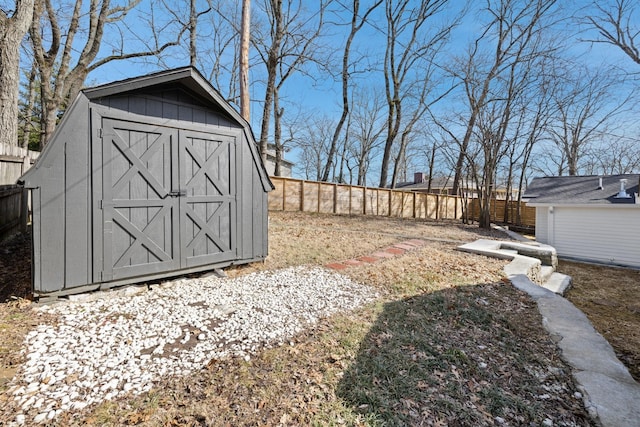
{"type": "Point", "coordinates": [509, 251]}
{"type": "Point", "coordinates": [546, 271]}
{"type": "Point", "coordinates": [558, 283]}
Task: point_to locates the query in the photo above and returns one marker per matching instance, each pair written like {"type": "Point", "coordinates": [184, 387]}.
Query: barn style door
{"type": "Point", "coordinates": [208, 205]}
{"type": "Point", "coordinates": [168, 199]}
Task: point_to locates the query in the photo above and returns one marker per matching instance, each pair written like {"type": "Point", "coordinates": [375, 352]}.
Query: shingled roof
{"type": "Point", "coordinates": [581, 190]}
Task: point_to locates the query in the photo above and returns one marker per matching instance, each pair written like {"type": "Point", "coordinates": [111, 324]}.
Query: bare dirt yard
{"type": "Point", "coordinates": [449, 342]}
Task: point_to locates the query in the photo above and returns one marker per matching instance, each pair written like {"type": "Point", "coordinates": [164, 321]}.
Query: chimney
{"type": "Point", "coordinates": [623, 190]}
{"type": "Point", "coordinates": [600, 187]}
{"type": "Point", "coordinates": [418, 178]}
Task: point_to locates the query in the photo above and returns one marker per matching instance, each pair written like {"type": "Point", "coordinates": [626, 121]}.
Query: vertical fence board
{"type": "Point", "coordinates": [326, 193]}
{"type": "Point", "coordinates": [311, 196]}
{"type": "Point", "coordinates": [357, 200]}
{"type": "Point", "coordinates": [407, 204]}
{"type": "Point", "coordinates": [14, 161]}
{"type": "Point", "coordinates": [13, 207]}
{"type": "Point", "coordinates": [421, 206]}
{"type": "Point", "coordinates": [292, 194]}
{"type": "Point", "coordinates": [342, 199]}
{"type": "Point", "coordinates": [275, 196]}
{"type": "Point", "coordinates": [384, 202]}
{"type": "Point", "coordinates": [371, 201]}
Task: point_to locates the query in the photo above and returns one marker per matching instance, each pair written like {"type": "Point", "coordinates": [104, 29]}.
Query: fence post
{"type": "Point", "coordinates": [455, 208]}
{"type": "Point", "coordinates": [24, 209]}
{"type": "Point", "coordinates": [302, 196]}
{"type": "Point", "coordinates": [364, 200]}
{"type": "Point", "coordinates": [284, 194]}
{"type": "Point", "coordinates": [414, 204]}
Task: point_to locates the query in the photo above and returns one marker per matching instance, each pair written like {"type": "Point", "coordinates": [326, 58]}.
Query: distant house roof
{"type": "Point", "coordinates": [437, 183]}
{"type": "Point", "coordinates": [581, 190]}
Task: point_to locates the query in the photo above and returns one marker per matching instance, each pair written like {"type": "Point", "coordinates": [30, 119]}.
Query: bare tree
{"type": "Point", "coordinates": [495, 73]}
{"type": "Point", "coordinates": [61, 68]}
{"type": "Point", "coordinates": [513, 26]}
{"type": "Point", "coordinates": [284, 46]}
{"type": "Point", "coordinates": [190, 22]}
{"type": "Point", "coordinates": [357, 23]}
{"type": "Point", "coordinates": [618, 26]}
{"type": "Point", "coordinates": [14, 24]}
{"type": "Point", "coordinates": [620, 155]}
{"type": "Point", "coordinates": [584, 110]}
{"type": "Point", "coordinates": [312, 134]}
{"type": "Point", "coordinates": [367, 126]}
{"type": "Point", "coordinates": [219, 49]}
{"type": "Point", "coordinates": [531, 129]}
{"type": "Point", "coordinates": [29, 116]}
{"type": "Point", "coordinates": [410, 41]}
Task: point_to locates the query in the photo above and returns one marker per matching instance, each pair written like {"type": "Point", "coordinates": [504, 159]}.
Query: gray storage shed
{"type": "Point", "coordinates": [143, 179]}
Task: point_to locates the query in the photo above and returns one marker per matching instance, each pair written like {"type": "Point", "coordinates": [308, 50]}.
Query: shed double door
{"type": "Point", "coordinates": [168, 198]}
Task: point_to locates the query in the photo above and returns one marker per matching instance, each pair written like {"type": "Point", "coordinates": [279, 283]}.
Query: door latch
{"type": "Point", "coordinates": [179, 193]}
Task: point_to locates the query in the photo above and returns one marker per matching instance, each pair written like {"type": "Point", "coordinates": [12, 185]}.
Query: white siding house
{"type": "Point", "coordinates": [589, 218]}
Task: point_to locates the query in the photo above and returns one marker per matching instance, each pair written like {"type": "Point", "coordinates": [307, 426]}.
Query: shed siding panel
{"type": "Point", "coordinates": [52, 214]}
{"type": "Point", "coordinates": [542, 228]}
{"type": "Point", "coordinates": [256, 244]}
{"type": "Point", "coordinates": [77, 201]}
{"type": "Point", "coordinates": [246, 183]}
{"type": "Point", "coordinates": [602, 235]}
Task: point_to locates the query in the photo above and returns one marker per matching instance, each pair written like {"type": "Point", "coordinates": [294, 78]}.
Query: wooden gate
{"type": "Point", "coordinates": [168, 199]}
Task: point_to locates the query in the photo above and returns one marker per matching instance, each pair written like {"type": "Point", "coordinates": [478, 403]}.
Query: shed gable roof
{"type": "Point", "coordinates": [187, 79]}
{"type": "Point", "coordinates": [581, 190]}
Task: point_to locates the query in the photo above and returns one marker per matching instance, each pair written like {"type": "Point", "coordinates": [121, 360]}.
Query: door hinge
{"type": "Point", "coordinates": [100, 204]}
{"type": "Point", "coordinates": [100, 133]}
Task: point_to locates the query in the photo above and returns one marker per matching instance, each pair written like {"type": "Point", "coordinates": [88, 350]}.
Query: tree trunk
{"type": "Point", "coordinates": [432, 161]}
{"type": "Point", "coordinates": [401, 159]}
{"type": "Point", "coordinates": [245, 37]}
{"type": "Point", "coordinates": [393, 124]}
{"type": "Point", "coordinates": [277, 133]}
{"type": "Point", "coordinates": [484, 219]}
{"type": "Point", "coordinates": [28, 111]}
{"type": "Point", "coordinates": [272, 64]}
{"type": "Point", "coordinates": [193, 24]}
{"type": "Point", "coordinates": [12, 31]}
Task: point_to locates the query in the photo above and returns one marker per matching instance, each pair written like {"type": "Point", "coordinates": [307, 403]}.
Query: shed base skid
{"type": "Point", "coordinates": [146, 280]}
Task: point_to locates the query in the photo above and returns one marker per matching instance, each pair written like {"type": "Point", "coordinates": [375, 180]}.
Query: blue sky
{"type": "Point", "coordinates": [322, 96]}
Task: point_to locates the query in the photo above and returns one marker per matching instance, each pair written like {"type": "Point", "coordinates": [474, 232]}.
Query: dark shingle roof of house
{"type": "Point", "coordinates": [581, 189]}
{"type": "Point", "coordinates": [437, 183]}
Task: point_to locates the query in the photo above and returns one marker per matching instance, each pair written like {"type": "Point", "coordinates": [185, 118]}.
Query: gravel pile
{"type": "Point", "coordinates": [109, 347]}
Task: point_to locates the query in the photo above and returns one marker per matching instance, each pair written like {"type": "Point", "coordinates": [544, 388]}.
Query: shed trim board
{"type": "Point", "coordinates": [122, 197]}
{"type": "Point", "coordinates": [601, 234]}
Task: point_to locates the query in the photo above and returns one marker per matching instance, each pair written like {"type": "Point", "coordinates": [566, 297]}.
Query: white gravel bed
{"type": "Point", "coordinates": [112, 346]}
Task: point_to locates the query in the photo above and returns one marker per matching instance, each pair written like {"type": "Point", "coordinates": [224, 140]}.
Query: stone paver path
{"type": "Point", "coordinates": [392, 251]}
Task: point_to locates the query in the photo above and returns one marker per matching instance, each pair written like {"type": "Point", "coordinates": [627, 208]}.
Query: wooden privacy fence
{"type": "Point", "coordinates": [13, 210]}
{"type": "Point", "coordinates": [14, 161]}
{"type": "Point", "coordinates": [323, 197]}
{"type": "Point", "coordinates": [527, 213]}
